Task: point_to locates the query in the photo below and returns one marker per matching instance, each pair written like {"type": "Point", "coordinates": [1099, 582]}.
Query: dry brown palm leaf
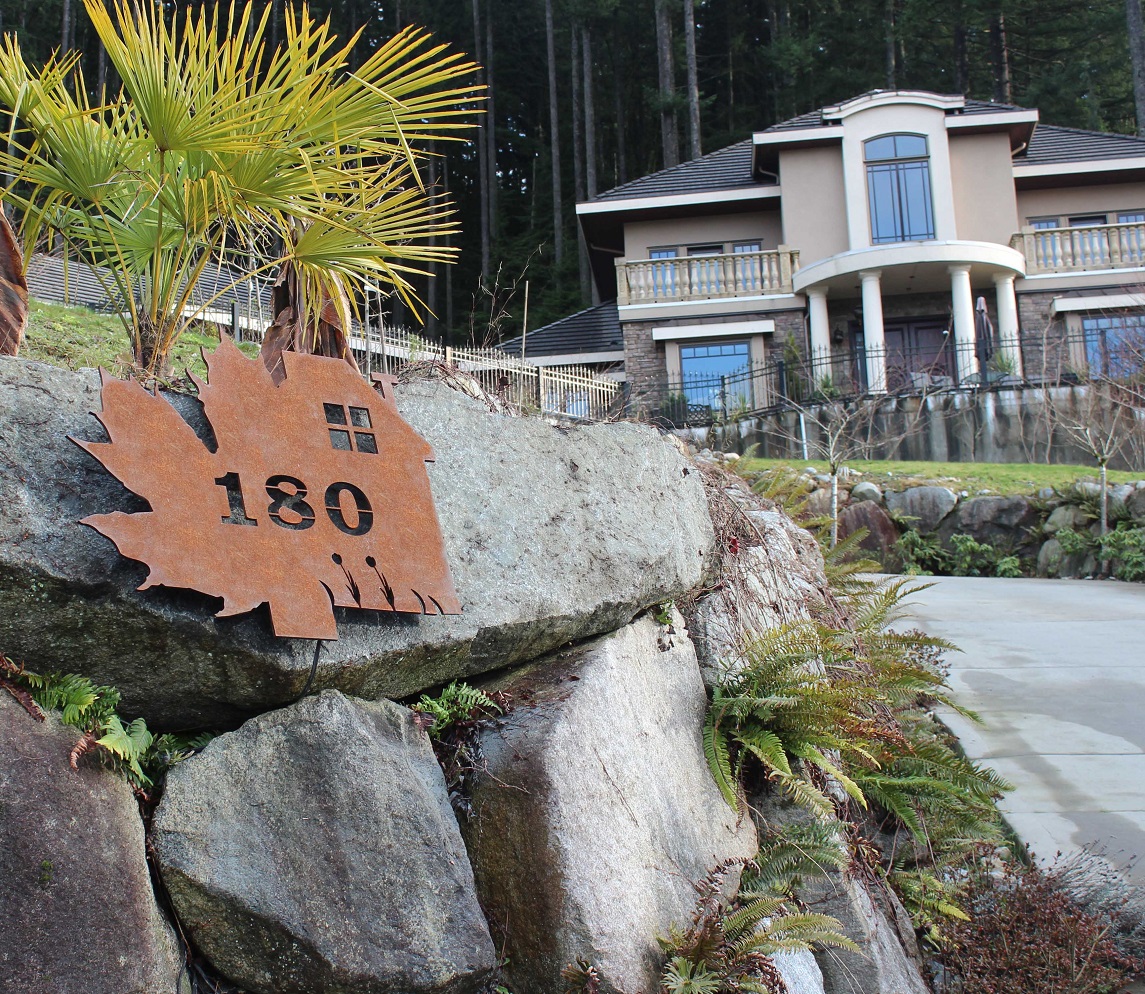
{"type": "Point", "coordinates": [13, 291]}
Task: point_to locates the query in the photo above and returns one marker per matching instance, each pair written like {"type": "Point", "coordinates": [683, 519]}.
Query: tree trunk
{"type": "Point", "coordinates": [578, 158]}
{"type": "Point", "coordinates": [482, 152]}
{"type": "Point", "coordinates": [66, 23]}
{"type": "Point", "coordinates": [589, 117]}
{"type": "Point", "coordinates": [889, 42]}
{"type": "Point", "coordinates": [834, 506]}
{"type": "Point", "coordinates": [431, 319]}
{"type": "Point", "coordinates": [669, 135]}
{"type": "Point", "coordinates": [961, 63]}
{"type": "Point", "coordinates": [1000, 56]}
{"type": "Point", "coordinates": [694, 148]}
{"type": "Point", "coordinates": [554, 135]}
{"type": "Point", "coordinates": [1104, 517]}
{"type": "Point", "coordinates": [618, 77]}
{"type": "Point", "coordinates": [1137, 59]}
{"type": "Point", "coordinates": [490, 126]}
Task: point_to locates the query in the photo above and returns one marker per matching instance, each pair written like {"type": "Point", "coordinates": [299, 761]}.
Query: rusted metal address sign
{"type": "Point", "coordinates": [316, 495]}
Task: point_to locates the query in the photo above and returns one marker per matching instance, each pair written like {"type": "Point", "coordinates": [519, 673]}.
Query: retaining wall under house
{"type": "Point", "coordinates": [1013, 426]}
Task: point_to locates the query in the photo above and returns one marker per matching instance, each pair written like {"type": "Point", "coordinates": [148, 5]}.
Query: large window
{"type": "Point", "coordinates": [898, 188]}
{"type": "Point", "coordinates": [716, 376]}
{"type": "Point", "coordinates": [1114, 344]}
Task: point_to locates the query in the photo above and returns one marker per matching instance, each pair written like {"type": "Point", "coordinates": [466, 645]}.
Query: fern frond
{"type": "Point", "coordinates": [801, 851]}
{"type": "Point", "coordinates": [719, 761]}
{"type": "Point", "coordinates": [797, 931]}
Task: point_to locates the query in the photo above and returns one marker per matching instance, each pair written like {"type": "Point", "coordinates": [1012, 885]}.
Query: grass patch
{"type": "Point", "coordinates": [994, 478]}
{"type": "Point", "coordinates": [78, 338]}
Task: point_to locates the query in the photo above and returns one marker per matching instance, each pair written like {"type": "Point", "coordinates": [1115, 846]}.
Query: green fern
{"type": "Point", "coordinates": [92, 709]}
{"type": "Point", "coordinates": [684, 977]}
{"type": "Point", "coordinates": [801, 852]}
{"type": "Point", "coordinates": [456, 703]}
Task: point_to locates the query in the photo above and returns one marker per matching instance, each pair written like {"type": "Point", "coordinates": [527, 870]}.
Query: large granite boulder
{"type": "Point", "coordinates": [776, 579]}
{"type": "Point", "coordinates": [595, 813]}
{"type": "Point", "coordinates": [922, 508]}
{"type": "Point", "coordinates": [552, 534]}
{"type": "Point", "coordinates": [876, 921]}
{"type": "Point", "coordinates": [315, 851]}
{"type": "Point", "coordinates": [1003, 522]}
{"type": "Point", "coordinates": [76, 901]}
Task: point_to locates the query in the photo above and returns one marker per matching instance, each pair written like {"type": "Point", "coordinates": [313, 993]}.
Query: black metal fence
{"type": "Point", "coordinates": [761, 388]}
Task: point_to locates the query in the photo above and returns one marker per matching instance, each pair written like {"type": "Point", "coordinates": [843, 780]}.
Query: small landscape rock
{"type": "Point", "coordinates": [922, 508]}
{"type": "Point", "coordinates": [883, 533]}
{"type": "Point", "coordinates": [865, 490]}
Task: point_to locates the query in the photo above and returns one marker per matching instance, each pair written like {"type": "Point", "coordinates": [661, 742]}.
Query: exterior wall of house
{"type": "Point", "coordinates": [814, 203]}
{"type": "Point", "coordinates": [647, 362]}
{"type": "Point", "coordinates": [896, 119]}
{"type": "Point", "coordinates": [725, 229]}
{"type": "Point", "coordinates": [1103, 199]}
{"type": "Point", "coordinates": [985, 206]}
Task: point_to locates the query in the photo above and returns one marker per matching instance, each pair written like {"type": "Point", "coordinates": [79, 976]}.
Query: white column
{"type": "Point", "coordinates": [1009, 344]}
{"type": "Point", "coordinates": [820, 335]}
{"type": "Point", "coordinates": [962, 298]}
{"type": "Point", "coordinates": [874, 342]}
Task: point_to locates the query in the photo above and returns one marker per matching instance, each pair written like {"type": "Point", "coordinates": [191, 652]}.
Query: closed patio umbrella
{"type": "Point", "coordinates": [983, 332]}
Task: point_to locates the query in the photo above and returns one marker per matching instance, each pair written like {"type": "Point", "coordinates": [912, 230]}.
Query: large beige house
{"type": "Point", "coordinates": [898, 239]}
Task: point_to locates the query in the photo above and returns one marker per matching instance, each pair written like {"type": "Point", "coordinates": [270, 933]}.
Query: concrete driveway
{"type": "Point", "coordinates": [1056, 669]}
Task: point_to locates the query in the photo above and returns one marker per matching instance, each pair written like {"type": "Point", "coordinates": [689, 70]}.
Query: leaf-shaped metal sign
{"type": "Point", "coordinates": [13, 291]}
{"type": "Point", "coordinates": [317, 494]}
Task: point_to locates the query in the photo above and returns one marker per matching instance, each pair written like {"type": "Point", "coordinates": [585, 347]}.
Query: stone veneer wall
{"type": "Point", "coordinates": [644, 359]}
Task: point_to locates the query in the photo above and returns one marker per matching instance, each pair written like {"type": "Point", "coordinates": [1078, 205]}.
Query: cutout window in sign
{"type": "Point", "coordinates": [346, 435]}
{"type": "Point", "coordinates": [284, 512]}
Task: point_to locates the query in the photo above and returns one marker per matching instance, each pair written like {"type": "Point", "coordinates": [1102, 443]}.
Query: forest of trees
{"type": "Point", "coordinates": [587, 94]}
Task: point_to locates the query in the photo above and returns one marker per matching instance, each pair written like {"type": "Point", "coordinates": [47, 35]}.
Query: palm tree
{"type": "Point", "coordinates": [218, 154]}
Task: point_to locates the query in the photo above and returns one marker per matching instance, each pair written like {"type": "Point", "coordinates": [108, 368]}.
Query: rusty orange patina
{"type": "Point", "coordinates": [316, 495]}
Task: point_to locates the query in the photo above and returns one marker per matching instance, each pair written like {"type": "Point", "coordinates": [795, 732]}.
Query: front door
{"type": "Point", "coordinates": [918, 354]}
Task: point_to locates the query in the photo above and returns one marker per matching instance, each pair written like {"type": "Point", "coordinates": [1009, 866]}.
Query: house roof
{"type": "Point", "coordinates": [814, 119]}
{"type": "Point", "coordinates": [593, 330]}
{"type": "Point", "coordinates": [1053, 144]}
{"type": "Point", "coordinates": [725, 169]}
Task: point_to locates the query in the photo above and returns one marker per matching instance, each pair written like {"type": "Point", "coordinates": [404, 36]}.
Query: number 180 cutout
{"type": "Point", "coordinates": [316, 494]}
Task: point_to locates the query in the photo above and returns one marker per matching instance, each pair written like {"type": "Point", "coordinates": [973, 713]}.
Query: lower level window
{"type": "Point", "coordinates": [716, 376]}
{"type": "Point", "coordinates": [1114, 344]}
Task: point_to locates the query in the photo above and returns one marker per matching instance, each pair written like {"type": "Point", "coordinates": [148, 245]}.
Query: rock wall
{"type": "Point", "coordinates": [1003, 425]}
{"type": "Point", "coordinates": [312, 846]}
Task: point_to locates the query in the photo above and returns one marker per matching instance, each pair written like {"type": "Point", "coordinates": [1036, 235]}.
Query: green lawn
{"type": "Point", "coordinates": [75, 337]}
{"type": "Point", "coordinates": [996, 478]}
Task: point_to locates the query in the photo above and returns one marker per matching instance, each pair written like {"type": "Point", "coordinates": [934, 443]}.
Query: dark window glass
{"type": "Point", "coordinates": [335, 414]}
{"type": "Point", "coordinates": [340, 439]}
{"type": "Point", "coordinates": [366, 442]}
{"type": "Point", "coordinates": [360, 417]}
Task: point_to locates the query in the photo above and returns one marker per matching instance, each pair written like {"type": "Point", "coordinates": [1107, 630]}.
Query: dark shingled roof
{"type": "Point", "coordinates": [595, 329]}
{"type": "Point", "coordinates": [1053, 144]}
{"type": "Point", "coordinates": [814, 119]}
{"type": "Point", "coordinates": [726, 169]}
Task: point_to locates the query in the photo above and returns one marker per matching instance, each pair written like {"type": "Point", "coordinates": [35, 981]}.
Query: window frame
{"type": "Point", "coordinates": [905, 177]}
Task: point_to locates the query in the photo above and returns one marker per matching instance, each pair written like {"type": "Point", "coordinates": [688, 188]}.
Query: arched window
{"type": "Point", "coordinates": [898, 188]}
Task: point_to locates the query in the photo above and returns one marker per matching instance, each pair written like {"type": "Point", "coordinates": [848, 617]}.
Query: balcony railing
{"type": "Point", "coordinates": [1072, 250]}
{"type": "Point", "coordinates": [705, 277]}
